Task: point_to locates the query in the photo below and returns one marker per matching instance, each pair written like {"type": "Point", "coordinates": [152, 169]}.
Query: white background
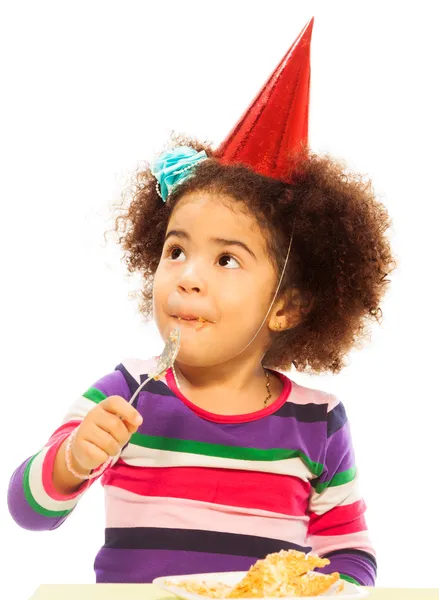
{"type": "Point", "coordinates": [91, 88]}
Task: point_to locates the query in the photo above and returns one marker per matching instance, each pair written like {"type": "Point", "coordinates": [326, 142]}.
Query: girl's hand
{"type": "Point", "coordinates": [103, 433]}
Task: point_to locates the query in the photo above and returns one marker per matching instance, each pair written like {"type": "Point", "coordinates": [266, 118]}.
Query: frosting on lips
{"type": "Point", "coordinates": [200, 321]}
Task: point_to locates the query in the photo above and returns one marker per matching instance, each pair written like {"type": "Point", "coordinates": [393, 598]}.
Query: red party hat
{"type": "Point", "coordinates": [276, 123]}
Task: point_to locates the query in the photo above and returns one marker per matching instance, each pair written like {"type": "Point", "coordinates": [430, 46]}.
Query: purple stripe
{"type": "Point", "coordinates": [340, 454]}
{"type": "Point", "coordinates": [354, 566]}
{"type": "Point", "coordinates": [142, 566]}
{"type": "Point", "coordinates": [23, 514]}
{"type": "Point", "coordinates": [168, 416]}
{"type": "Point", "coordinates": [113, 384]}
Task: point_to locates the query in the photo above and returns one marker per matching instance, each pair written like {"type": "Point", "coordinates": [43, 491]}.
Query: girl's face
{"type": "Point", "coordinates": [215, 280]}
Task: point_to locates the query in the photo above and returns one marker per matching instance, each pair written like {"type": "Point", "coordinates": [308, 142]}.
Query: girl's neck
{"type": "Point", "coordinates": [229, 389]}
{"type": "Point", "coordinates": [235, 375]}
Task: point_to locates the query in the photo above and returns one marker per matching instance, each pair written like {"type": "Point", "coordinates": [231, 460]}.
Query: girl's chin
{"type": "Point", "coordinates": [195, 356]}
{"type": "Point", "coordinates": [200, 355]}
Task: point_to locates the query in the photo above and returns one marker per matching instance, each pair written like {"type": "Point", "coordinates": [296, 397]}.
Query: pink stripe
{"type": "Point", "coordinates": [304, 395]}
{"type": "Point", "coordinates": [321, 544]}
{"type": "Point", "coordinates": [55, 442]}
{"type": "Point", "coordinates": [126, 509]}
{"type": "Point", "coordinates": [62, 432]}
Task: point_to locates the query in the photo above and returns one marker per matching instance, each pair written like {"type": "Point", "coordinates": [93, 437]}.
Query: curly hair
{"type": "Point", "coordinates": [340, 254]}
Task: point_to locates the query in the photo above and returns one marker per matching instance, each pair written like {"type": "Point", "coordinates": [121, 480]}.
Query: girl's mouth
{"type": "Point", "coordinates": [197, 322]}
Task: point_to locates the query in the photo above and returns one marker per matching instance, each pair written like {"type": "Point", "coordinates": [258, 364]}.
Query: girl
{"type": "Point", "coordinates": [264, 258]}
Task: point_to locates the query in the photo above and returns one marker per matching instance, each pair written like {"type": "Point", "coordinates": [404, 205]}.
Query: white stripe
{"type": "Point", "coordinates": [37, 489]}
{"type": "Point", "coordinates": [79, 409]}
{"type": "Point", "coordinates": [138, 456]}
{"type": "Point", "coordinates": [339, 495]}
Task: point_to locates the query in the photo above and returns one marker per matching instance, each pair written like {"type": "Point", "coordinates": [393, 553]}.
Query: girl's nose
{"type": "Point", "coordinates": [190, 280]}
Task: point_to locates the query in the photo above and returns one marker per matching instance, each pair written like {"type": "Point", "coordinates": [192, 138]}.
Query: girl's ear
{"type": "Point", "coordinates": [289, 311]}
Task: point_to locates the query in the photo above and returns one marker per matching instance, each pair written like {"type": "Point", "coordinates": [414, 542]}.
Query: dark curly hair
{"type": "Point", "coordinates": [340, 255]}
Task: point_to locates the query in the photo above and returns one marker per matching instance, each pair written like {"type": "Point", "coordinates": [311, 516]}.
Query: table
{"type": "Point", "coordinates": [151, 592]}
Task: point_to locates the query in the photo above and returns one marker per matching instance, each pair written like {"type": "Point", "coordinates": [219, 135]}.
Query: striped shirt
{"type": "Point", "coordinates": [195, 492]}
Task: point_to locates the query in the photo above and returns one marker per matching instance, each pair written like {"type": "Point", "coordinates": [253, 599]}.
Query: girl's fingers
{"type": "Point", "coordinates": [131, 428]}
{"type": "Point", "coordinates": [103, 440]}
{"type": "Point", "coordinates": [113, 425]}
{"type": "Point", "coordinates": [90, 456]}
{"type": "Point", "coordinates": [118, 406]}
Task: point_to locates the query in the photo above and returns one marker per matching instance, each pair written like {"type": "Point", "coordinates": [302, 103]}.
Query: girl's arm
{"type": "Point", "coordinates": [34, 501]}
{"type": "Point", "coordinates": [337, 527]}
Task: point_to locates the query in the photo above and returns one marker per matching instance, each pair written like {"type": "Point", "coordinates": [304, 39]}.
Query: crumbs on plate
{"type": "Point", "coordinates": [287, 573]}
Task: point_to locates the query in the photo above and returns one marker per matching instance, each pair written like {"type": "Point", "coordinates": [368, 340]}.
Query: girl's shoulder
{"type": "Point", "coordinates": [310, 405]}
{"type": "Point", "coordinates": [303, 396]}
{"type": "Point", "coordinates": [139, 368]}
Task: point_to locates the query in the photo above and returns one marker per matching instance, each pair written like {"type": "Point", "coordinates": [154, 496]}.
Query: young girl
{"type": "Point", "coordinates": [264, 258]}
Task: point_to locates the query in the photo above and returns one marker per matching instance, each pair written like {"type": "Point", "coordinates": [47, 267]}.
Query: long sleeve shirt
{"type": "Point", "coordinates": [197, 492]}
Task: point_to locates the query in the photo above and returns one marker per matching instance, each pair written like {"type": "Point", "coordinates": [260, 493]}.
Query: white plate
{"type": "Point", "coordinates": [350, 591]}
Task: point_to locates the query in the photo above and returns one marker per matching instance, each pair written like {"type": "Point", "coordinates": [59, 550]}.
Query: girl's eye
{"type": "Point", "coordinates": [176, 253]}
{"type": "Point", "coordinates": [229, 262]}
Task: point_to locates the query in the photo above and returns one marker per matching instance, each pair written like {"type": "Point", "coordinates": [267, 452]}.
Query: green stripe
{"type": "Point", "coordinates": [31, 500]}
{"type": "Point", "coordinates": [344, 477]}
{"type": "Point", "coordinates": [220, 451]}
{"type": "Point", "coordinates": [94, 395]}
{"type": "Point", "coordinates": [349, 579]}
{"type": "Point", "coordinates": [338, 479]}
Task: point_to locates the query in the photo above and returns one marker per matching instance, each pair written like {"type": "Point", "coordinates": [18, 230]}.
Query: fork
{"type": "Point", "coordinates": [165, 361]}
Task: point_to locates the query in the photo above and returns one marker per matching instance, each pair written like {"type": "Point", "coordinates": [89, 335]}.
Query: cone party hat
{"type": "Point", "coordinates": [276, 123]}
